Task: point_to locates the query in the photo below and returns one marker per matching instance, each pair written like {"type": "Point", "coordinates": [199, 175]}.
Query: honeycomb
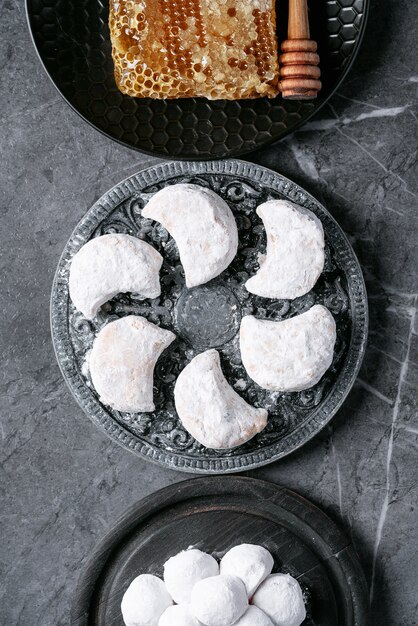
{"type": "Point", "coordinates": [221, 49]}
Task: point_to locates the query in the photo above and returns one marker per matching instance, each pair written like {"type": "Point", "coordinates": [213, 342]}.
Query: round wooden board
{"type": "Point", "coordinates": [214, 514]}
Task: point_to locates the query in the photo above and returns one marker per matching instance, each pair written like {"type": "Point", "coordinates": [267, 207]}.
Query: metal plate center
{"type": "Point", "coordinates": [207, 316]}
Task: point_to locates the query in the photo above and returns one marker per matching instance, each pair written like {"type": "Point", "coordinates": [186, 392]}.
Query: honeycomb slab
{"type": "Point", "coordinates": [194, 48]}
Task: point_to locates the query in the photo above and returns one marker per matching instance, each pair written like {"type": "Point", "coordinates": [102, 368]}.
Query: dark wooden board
{"type": "Point", "coordinates": [214, 514]}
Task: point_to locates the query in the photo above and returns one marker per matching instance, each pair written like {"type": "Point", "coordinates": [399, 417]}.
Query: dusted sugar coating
{"type": "Point", "coordinates": [290, 355]}
{"type": "Point", "coordinates": [210, 409]}
{"type": "Point", "coordinates": [122, 362]}
{"type": "Point", "coordinates": [219, 601]}
{"type": "Point", "coordinates": [184, 570]}
{"type": "Point", "coordinates": [222, 49]}
{"type": "Point", "coordinates": [280, 597]}
{"type": "Point", "coordinates": [112, 264]}
{"type": "Point", "coordinates": [179, 615]}
{"type": "Point", "coordinates": [253, 616]}
{"type": "Point", "coordinates": [295, 251]}
{"type": "Point", "coordinates": [145, 601]}
{"type": "Point", "coordinates": [251, 563]}
{"type": "Point", "coordinates": [202, 225]}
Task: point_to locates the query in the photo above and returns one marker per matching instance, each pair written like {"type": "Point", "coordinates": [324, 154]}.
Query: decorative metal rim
{"type": "Point", "coordinates": [339, 548]}
{"type": "Point", "coordinates": [180, 461]}
{"type": "Point", "coordinates": [233, 154]}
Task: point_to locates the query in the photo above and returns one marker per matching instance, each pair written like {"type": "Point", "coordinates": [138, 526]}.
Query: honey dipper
{"type": "Point", "coordinates": [299, 71]}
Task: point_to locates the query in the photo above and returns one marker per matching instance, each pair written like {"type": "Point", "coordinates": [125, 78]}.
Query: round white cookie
{"type": "Point", "coordinates": [112, 264]}
{"type": "Point", "coordinates": [295, 251]}
{"type": "Point", "coordinates": [184, 570]}
{"type": "Point", "coordinates": [290, 355]}
{"type": "Point", "coordinates": [253, 616]}
{"type": "Point", "coordinates": [202, 225]}
{"type": "Point", "coordinates": [219, 601]}
{"type": "Point", "coordinates": [210, 409]}
{"type": "Point", "coordinates": [122, 362]}
{"type": "Point", "coordinates": [280, 597]}
{"type": "Point", "coordinates": [145, 601]}
{"type": "Point", "coordinates": [249, 562]}
{"type": "Point", "coordinates": [178, 615]}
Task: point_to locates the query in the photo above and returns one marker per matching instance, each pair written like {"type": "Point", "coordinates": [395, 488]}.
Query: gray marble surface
{"type": "Point", "coordinates": [63, 483]}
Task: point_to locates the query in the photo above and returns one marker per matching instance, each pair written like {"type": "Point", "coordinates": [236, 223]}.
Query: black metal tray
{"type": "Point", "coordinates": [294, 418]}
{"type": "Point", "coordinates": [214, 514]}
{"type": "Point", "coordinates": [72, 40]}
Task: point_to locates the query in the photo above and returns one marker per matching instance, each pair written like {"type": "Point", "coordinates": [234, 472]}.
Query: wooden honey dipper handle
{"type": "Point", "coordinates": [298, 25]}
{"type": "Point", "coordinates": [299, 71]}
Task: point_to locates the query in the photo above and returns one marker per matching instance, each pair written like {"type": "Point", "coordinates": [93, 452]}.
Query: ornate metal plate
{"type": "Point", "coordinates": [214, 514]}
{"type": "Point", "coordinates": [72, 40]}
{"type": "Point", "coordinates": [208, 316]}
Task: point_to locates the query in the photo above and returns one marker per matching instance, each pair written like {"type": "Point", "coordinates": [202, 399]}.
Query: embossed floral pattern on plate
{"type": "Point", "coordinates": [293, 417]}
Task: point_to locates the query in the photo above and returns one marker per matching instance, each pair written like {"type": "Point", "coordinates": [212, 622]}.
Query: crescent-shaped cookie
{"type": "Point", "coordinates": [202, 225]}
{"type": "Point", "coordinates": [122, 362]}
{"type": "Point", "coordinates": [289, 355]}
{"type": "Point", "coordinates": [112, 264]}
{"type": "Point", "coordinates": [295, 251]}
{"type": "Point", "coordinates": [209, 408]}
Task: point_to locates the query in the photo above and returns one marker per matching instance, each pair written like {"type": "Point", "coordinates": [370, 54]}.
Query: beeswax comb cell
{"type": "Point", "coordinates": [222, 49]}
